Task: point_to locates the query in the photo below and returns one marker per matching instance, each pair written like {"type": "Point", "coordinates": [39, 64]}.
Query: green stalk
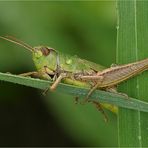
{"type": "Point", "coordinates": [132, 45]}
{"type": "Point", "coordinates": [98, 95]}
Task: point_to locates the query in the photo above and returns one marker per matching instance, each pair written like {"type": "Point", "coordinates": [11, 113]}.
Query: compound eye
{"type": "Point", "coordinates": [45, 51]}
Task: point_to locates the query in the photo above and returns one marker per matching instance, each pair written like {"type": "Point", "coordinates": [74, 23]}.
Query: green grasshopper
{"type": "Point", "coordinates": [59, 67]}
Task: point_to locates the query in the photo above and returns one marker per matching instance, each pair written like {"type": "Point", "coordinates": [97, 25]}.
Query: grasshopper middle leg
{"type": "Point", "coordinates": [56, 83]}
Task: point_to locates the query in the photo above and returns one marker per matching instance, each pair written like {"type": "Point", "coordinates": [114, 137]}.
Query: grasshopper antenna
{"type": "Point", "coordinates": [18, 42]}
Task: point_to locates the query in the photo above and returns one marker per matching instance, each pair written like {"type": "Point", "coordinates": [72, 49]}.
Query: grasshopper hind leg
{"type": "Point", "coordinates": [90, 92]}
{"type": "Point", "coordinates": [96, 103]}
{"type": "Point", "coordinates": [100, 109]}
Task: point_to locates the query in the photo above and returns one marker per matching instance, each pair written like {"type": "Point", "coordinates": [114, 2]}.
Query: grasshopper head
{"type": "Point", "coordinates": [45, 57]}
{"type": "Point", "coordinates": [42, 56]}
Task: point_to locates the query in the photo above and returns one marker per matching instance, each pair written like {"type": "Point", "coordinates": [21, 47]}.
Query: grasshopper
{"type": "Point", "coordinates": [59, 67]}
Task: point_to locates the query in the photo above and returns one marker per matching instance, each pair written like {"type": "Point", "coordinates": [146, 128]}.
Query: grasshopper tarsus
{"type": "Point", "coordinates": [44, 93]}
{"type": "Point", "coordinates": [76, 100]}
{"type": "Point", "coordinates": [113, 89]}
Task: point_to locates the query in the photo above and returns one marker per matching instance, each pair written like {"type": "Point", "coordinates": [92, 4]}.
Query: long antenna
{"type": "Point", "coordinates": [18, 42]}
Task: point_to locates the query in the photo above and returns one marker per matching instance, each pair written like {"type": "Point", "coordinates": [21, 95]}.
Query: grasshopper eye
{"type": "Point", "coordinates": [45, 51]}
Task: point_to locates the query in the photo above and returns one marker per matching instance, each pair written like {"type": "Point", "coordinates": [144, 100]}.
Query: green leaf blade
{"type": "Point", "coordinates": [131, 46]}
{"type": "Point", "coordinates": [142, 21]}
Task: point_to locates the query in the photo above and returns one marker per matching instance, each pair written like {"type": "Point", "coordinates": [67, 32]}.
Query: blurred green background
{"type": "Point", "coordinates": [87, 29]}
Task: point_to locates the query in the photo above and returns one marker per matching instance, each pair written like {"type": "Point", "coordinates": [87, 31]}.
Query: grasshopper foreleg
{"type": "Point", "coordinates": [33, 74]}
{"type": "Point", "coordinates": [36, 74]}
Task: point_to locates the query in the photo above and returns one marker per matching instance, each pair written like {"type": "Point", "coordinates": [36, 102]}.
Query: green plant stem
{"type": "Point", "coordinates": [101, 96]}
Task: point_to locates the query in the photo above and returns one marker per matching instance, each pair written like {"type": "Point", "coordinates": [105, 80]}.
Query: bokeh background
{"type": "Point", "coordinates": [84, 28]}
